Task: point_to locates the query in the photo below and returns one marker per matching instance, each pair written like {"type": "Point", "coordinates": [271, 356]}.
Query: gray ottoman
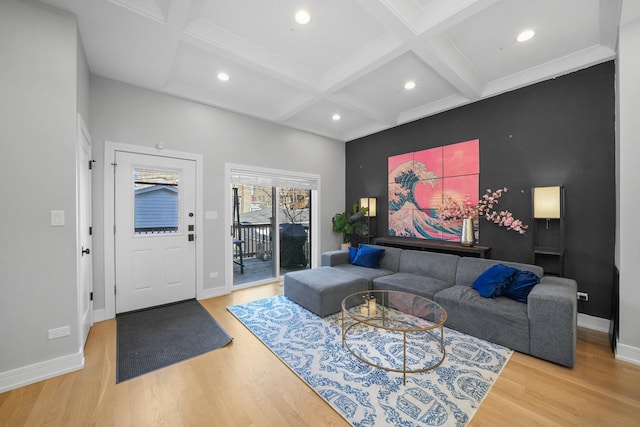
{"type": "Point", "coordinates": [321, 290]}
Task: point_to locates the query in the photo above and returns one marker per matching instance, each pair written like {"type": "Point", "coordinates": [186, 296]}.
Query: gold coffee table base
{"type": "Point", "coordinates": [399, 312]}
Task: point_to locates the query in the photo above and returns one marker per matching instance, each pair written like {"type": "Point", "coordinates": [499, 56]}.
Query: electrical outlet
{"type": "Point", "coordinates": [583, 296]}
{"type": "Point", "coordinates": [59, 332]}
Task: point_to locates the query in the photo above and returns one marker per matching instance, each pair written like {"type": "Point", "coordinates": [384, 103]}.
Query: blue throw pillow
{"type": "Point", "coordinates": [368, 256]}
{"type": "Point", "coordinates": [493, 281]}
{"type": "Point", "coordinates": [521, 285]}
{"type": "Point", "coordinates": [352, 254]}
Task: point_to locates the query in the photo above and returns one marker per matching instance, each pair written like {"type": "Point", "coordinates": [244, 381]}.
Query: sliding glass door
{"type": "Point", "coordinates": [271, 224]}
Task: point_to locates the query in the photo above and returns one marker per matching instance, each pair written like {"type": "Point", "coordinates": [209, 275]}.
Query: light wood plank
{"type": "Point", "coordinates": [244, 384]}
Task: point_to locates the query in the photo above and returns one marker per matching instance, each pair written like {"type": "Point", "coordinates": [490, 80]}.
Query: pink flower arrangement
{"type": "Point", "coordinates": [453, 210]}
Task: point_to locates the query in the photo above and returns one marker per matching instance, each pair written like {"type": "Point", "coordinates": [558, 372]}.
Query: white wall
{"type": "Point", "coordinates": [628, 177]}
{"type": "Point", "coordinates": [128, 114]}
{"type": "Point", "coordinates": [38, 105]}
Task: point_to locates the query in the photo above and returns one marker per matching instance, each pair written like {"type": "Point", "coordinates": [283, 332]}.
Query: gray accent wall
{"type": "Point", "coordinates": [556, 132]}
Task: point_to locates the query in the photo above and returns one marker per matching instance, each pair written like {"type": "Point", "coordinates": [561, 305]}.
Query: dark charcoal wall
{"type": "Point", "coordinates": [559, 131]}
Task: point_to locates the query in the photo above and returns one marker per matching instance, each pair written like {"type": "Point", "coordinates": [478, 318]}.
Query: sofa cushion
{"type": "Point", "coordinates": [521, 284]}
{"type": "Point", "coordinates": [404, 282]}
{"type": "Point", "coordinates": [367, 273]}
{"type": "Point", "coordinates": [391, 258]}
{"type": "Point", "coordinates": [321, 290]}
{"type": "Point", "coordinates": [368, 256]}
{"type": "Point", "coordinates": [470, 268]}
{"type": "Point", "coordinates": [500, 320]}
{"type": "Point", "coordinates": [494, 280]}
{"type": "Point", "coordinates": [430, 264]}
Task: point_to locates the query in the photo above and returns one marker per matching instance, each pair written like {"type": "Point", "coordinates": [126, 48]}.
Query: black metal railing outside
{"type": "Point", "coordinates": [257, 242]}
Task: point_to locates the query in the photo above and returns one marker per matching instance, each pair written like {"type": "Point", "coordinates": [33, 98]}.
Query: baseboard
{"type": "Point", "coordinates": [30, 374]}
{"type": "Point", "coordinates": [592, 322]}
{"type": "Point", "coordinates": [628, 353]}
{"type": "Point", "coordinates": [624, 352]}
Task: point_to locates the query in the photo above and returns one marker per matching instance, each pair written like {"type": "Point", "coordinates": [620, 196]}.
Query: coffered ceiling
{"type": "Point", "coordinates": [352, 59]}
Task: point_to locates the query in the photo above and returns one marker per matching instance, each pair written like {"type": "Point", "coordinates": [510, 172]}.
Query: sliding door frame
{"type": "Point", "coordinates": [228, 220]}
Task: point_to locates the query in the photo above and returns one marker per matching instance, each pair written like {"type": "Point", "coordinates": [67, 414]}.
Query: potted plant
{"type": "Point", "coordinates": [350, 223]}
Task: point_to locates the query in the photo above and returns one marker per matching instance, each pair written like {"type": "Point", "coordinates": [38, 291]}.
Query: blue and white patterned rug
{"type": "Point", "coordinates": [311, 346]}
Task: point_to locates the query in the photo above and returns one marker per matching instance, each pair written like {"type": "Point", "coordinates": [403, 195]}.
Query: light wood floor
{"type": "Point", "coordinates": [244, 384]}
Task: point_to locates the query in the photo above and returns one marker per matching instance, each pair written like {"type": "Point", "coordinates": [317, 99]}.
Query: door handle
{"type": "Point", "coordinates": [85, 251]}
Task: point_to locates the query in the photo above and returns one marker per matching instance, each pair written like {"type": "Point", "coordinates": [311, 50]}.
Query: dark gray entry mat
{"type": "Point", "coordinates": [153, 338]}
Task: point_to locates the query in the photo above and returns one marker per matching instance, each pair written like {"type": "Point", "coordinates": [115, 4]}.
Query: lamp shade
{"type": "Point", "coordinates": [546, 202]}
{"type": "Point", "coordinates": [370, 204]}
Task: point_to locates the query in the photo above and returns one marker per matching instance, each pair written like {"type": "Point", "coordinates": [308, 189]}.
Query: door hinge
{"type": "Point", "coordinates": [91, 162]}
{"type": "Point", "coordinates": [90, 231]}
{"type": "Point", "coordinates": [90, 296]}
{"type": "Point", "coordinates": [115, 290]}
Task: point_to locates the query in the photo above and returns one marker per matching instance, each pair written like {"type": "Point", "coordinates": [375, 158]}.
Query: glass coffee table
{"type": "Point", "coordinates": [395, 331]}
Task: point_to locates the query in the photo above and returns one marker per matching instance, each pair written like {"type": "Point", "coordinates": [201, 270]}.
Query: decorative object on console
{"type": "Point", "coordinates": [548, 206]}
{"type": "Point", "coordinates": [453, 209]}
{"type": "Point", "coordinates": [468, 235]}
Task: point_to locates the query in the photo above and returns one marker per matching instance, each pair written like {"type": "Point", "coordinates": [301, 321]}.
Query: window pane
{"type": "Point", "coordinates": [156, 201]}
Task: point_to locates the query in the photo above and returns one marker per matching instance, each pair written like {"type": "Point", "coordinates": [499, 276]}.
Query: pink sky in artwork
{"type": "Point", "coordinates": [431, 158]}
{"type": "Point", "coordinates": [462, 158]}
{"type": "Point", "coordinates": [395, 161]}
{"type": "Point", "coordinates": [459, 186]}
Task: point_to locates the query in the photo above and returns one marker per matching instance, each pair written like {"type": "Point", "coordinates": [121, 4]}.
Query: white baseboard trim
{"type": "Point", "coordinates": [627, 353]}
{"type": "Point", "coordinates": [30, 374]}
{"type": "Point", "coordinates": [592, 322]}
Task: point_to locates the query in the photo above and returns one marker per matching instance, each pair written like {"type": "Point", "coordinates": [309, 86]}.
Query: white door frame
{"type": "Point", "coordinates": [110, 149]}
{"type": "Point", "coordinates": [228, 221]}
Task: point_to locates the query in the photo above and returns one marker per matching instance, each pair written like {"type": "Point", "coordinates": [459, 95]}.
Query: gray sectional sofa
{"type": "Point", "coordinates": [544, 327]}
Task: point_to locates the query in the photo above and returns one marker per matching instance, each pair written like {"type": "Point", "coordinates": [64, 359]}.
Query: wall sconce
{"type": "Point", "coordinates": [547, 203]}
{"type": "Point", "coordinates": [370, 204]}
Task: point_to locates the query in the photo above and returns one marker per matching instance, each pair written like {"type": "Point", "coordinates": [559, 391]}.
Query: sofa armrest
{"type": "Point", "coordinates": [552, 309]}
{"type": "Point", "coordinates": [332, 258]}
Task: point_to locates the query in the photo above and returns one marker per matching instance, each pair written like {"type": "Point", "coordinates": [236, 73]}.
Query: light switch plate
{"type": "Point", "coordinates": [57, 218]}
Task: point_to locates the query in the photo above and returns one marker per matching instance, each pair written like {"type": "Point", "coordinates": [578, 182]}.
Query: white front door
{"type": "Point", "coordinates": [85, 282]}
{"type": "Point", "coordinates": [155, 200]}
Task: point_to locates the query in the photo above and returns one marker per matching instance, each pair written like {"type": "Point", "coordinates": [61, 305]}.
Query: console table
{"type": "Point", "coordinates": [434, 246]}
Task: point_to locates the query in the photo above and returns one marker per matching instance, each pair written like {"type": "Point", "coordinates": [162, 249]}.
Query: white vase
{"type": "Point", "coordinates": [467, 237]}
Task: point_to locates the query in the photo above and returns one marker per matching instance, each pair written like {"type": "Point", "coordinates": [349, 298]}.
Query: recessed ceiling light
{"type": "Point", "coordinates": [223, 77]}
{"type": "Point", "coordinates": [303, 17]}
{"type": "Point", "coordinates": [410, 85]}
{"type": "Point", "coordinates": [336, 117]}
{"type": "Point", "coordinates": [525, 35]}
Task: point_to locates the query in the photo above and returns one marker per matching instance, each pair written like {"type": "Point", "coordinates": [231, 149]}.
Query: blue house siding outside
{"type": "Point", "coordinates": [156, 209]}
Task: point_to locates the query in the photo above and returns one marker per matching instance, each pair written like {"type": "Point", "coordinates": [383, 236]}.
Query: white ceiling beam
{"type": "Point", "coordinates": [445, 59]}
